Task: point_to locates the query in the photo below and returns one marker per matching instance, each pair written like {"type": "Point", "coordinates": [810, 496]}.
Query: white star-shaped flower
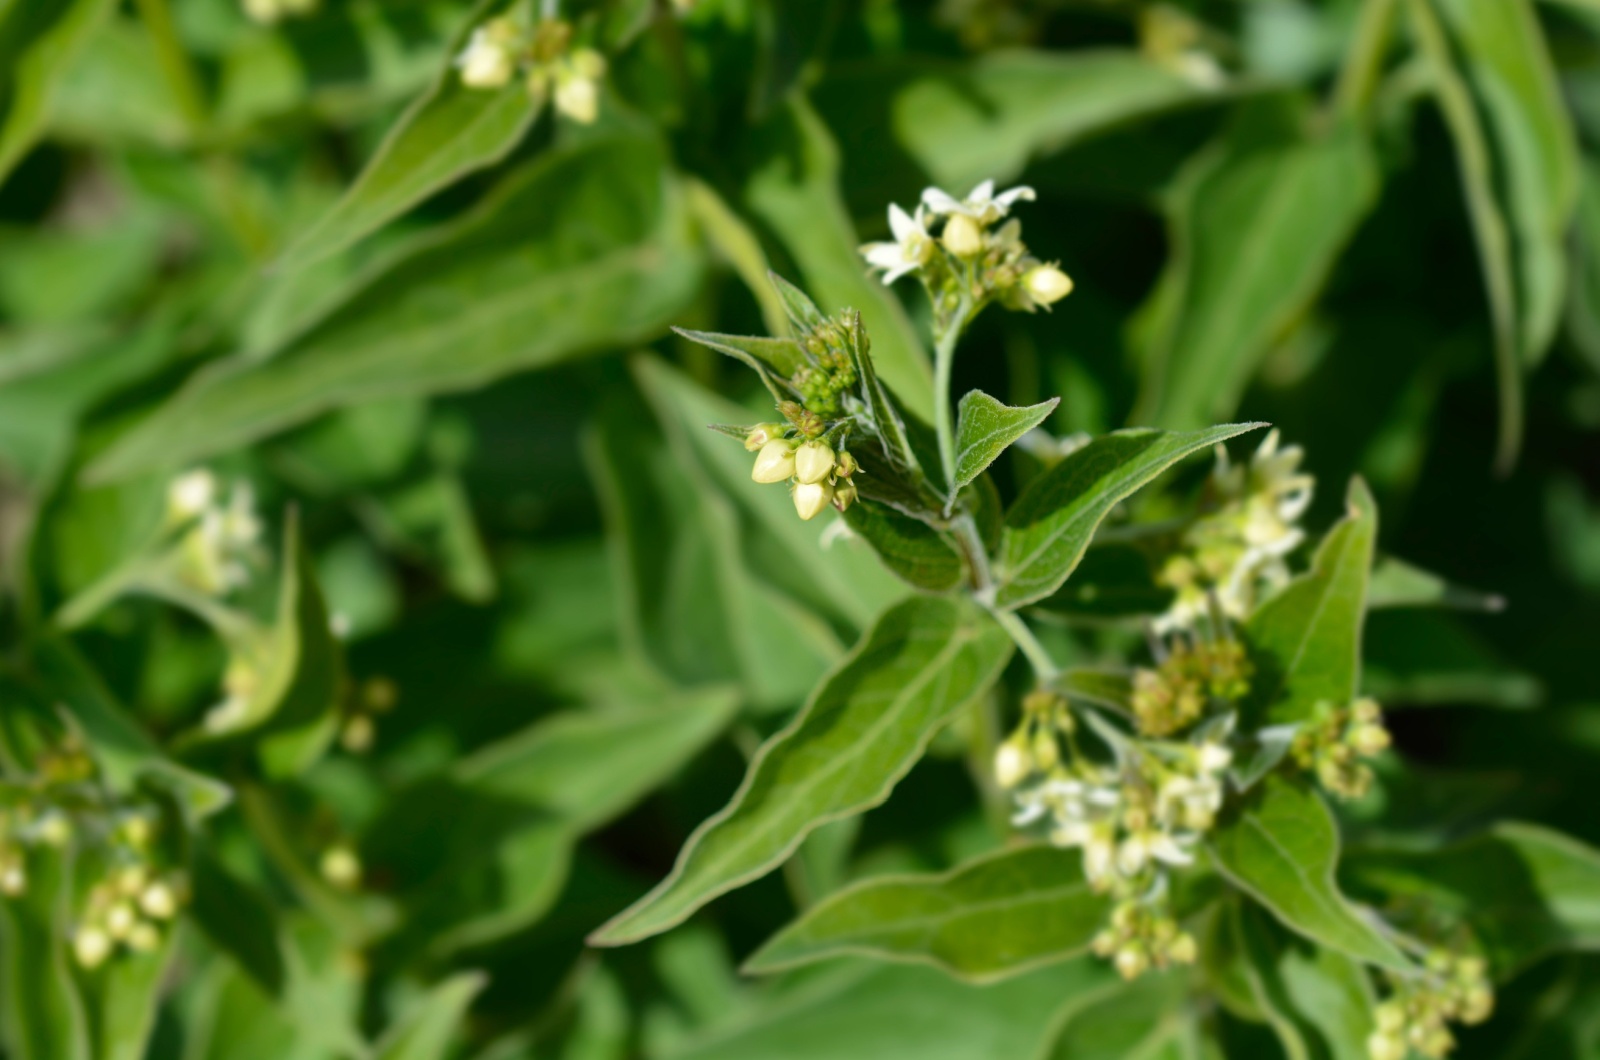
{"type": "Point", "coordinates": [910, 250]}
{"type": "Point", "coordinates": [981, 204]}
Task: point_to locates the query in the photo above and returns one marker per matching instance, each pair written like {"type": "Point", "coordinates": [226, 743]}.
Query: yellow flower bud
{"type": "Point", "coordinates": [13, 880]}
{"type": "Point", "coordinates": [159, 901]}
{"type": "Point", "coordinates": [488, 60]}
{"type": "Point", "coordinates": [810, 498]}
{"type": "Point", "coordinates": [775, 462]}
{"type": "Point", "coordinates": [1047, 284]}
{"type": "Point", "coordinates": [1369, 739]}
{"type": "Point", "coordinates": [341, 867]}
{"type": "Point", "coordinates": [1012, 761]}
{"type": "Point", "coordinates": [1385, 1046]}
{"type": "Point", "coordinates": [578, 97]}
{"type": "Point", "coordinates": [813, 462]}
{"type": "Point", "coordinates": [358, 734]}
{"type": "Point", "coordinates": [120, 919]}
{"type": "Point", "coordinates": [963, 236]}
{"type": "Point", "coordinates": [144, 937]}
{"type": "Point", "coordinates": [847, 466]}
{"type": "Point", "coordinates": [1131, 962]}
{"type": "Point", "coordinates": [1183, 950]}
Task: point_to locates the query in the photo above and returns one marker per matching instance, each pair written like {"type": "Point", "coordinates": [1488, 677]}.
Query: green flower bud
{"type": "Point", "coordinates": [341, 867]}
{"type": "Point", "coordinates": [810, 498]}
{"type": "Point", "coordinates": [775, 462]}
{"type": "Point", "coordinates": [813, 462]}
{"type": "Point", "coordinates": [847, 466]}
{"type": "Point", "coordinates": [844, 495]}
{"type": "Point", "coordinates": [144, 937]}
{"type": "Point", "coordinates": [1183, 950]}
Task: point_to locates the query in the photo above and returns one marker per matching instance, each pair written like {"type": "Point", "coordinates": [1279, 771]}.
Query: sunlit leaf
{"type": "Point", "coordinates": [1049, 527]}
{"type": "Point", "coordinates": [862, 730]}
{"type": "Point", "coordinates": [429, 1030]}
{"type": "Point", "coordinates": [985, 428]}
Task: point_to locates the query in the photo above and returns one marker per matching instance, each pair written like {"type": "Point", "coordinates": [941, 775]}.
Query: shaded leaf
{"type": "Point", "coordinates": [449, 132]}
{"type": "Point", "coordinates": [990, 918]}
{"type": "Point", "coordinates": [1281, 847]}
{"type": "Point", "coordinates": [862, 730]}
{"type": "Point", "coordinates": [584, 249]}
{"type": "Point", "coordinates": [1430, 659]}
{"type": "Point", "coordinates": [39, 40]}
{"type": "Point", "coordinates": [1257, 225]}
{"type": "Point", "coordinates": [1396, 584]}
{"type": "Point", "coordinates": [429, 1029]}
{"type": "Point", "coordinates": [1305, 642]}
{"type": "Point", "coordinates": [43, 1010]}
{"type": "Point", "coordinates": [985, 427]}
{"type": "Point", "coordinates": [915, 551]}
{"type": "Point", "coordinates": [1318, 1002]}
{"type": "Point", "coordinates": [1524, 890]}
{"type": "Point", "coordinates": [1146, 1018]}
{"type": "Point", "coordinates": [1050, 525]}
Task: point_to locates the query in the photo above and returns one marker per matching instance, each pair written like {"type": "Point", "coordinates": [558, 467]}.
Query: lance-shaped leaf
{"type": "Point", "coordinates": [1281, 846]}
{"type": "Point", "coordinates": [39, 39]}
{"type": "Point", "coordinates": [1257, 225]}
{"type": "Point", "coordinates": [1305, 642]}
{"type": "Point", "coordinates": [1318, 1002]}
{"type": "Point", "coordinates": [995, 916]}
{"type": "Point", "coordinates": [428, 1031]}
{"type": "Point", "coordinates": [1050, 525]}
{"type": "Point", "coordinates": [514, 810]}
{"type": "Point", "coordinates": [863, 729]}
{"type": "Point", "coordinates": [1398, 584]}
{"type": "Point", "coordinates": [449, 132]}
{"type": "Point", "coordinates": [1524, 890]}
{"type": "Point", "coordinates": [985, 427]}
{"type": "Point", "coordinates": [775, 360]}
{"type": "Point", "coordinates": [584, 249]}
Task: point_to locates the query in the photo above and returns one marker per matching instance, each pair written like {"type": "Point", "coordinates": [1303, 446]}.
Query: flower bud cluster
{"type": "Point", "coordinates": [1234, 555]}
{"type": "Point", "coordinates": [1143, 935]}
{"type": "Point", "coordinates": [954, 248]}
{"type": "Point", "coordinates": [1335, 742]}
{"type": "Point", "coordinates": [1194, 674]}
{"type": "Point", "coordinates": [817, 475]}
{"type": "Point", "coordinates": [128, 909]}
{"type": "Point", "coordinates": [221, 541]}
{"type": "Point", "coordinates": [1453, 988]}
{"type": "Point", "coordinates": [823, 384]}
{"type": "Point", "coordinates": [502, 48]}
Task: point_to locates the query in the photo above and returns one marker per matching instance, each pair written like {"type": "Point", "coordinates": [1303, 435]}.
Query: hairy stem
{"type": "Point", "coordinates": [944, 358]}
{"type": "Point", "coordinates": [1044, 668]}
{"type": "Point", "coordinates": [1364, 62]}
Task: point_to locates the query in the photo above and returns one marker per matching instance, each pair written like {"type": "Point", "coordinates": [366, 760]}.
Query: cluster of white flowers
{"type": "Point", "coordinates": [501, 48]}
{"type": "Point", "coordinates": [1452, 988]}
{"type": "Point", "coordinates": [269, 12]}
{"type": "Point", "coordinates": [966, 255]}
{"type": "Point", "coordinates": [1236, 554]}
{"type": "Point", "coordinates": [222, 542]}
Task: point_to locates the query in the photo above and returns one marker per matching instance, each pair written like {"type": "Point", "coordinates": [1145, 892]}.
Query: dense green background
{"type": "Point", "coordinates": [1387, 245]}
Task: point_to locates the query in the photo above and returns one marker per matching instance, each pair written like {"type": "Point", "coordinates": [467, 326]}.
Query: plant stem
{"type": "Point", "coordinates": [1044, 668]}
{"type": "Point", "coordinates": [1364, 62]}
{"type": "Point", "coordinates": [174, 62]}
{"type": "Point", "coordinates": [944, 357]}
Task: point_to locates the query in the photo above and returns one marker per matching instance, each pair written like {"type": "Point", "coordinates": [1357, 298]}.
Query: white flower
{"type": "Point", "coordinates": [190, 494]}
{"type": "Point", "coordinates": [911, 249]}
{"type": "Point", "coordinates": [981, 204]}
{"type": "Point", "coordinates": [578, 86]}
{"type": "Point", "coordinates": [1047, 284]}
{"type": "Point", "coordinates": [1213, 757]}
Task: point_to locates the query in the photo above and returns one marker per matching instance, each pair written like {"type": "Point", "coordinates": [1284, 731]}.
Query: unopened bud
{"type": "Point", "coordinates": [1369, 739]}
{"type": "Point", "coordinates": [488, 60]}
{"type": "Point", "coordinates": [963, 236]}
{"type": "Point", "coordinates": [1047, 284]}
{"type": "Point", "coordinates": [13, 880]}
{"type": "Point", "coordinates": [813, 462]}
{"type": "Point", "coordinates": [190, 494]}
{"type": "Point", "coordinates": [341, 867]}
{"type": "Point", "coordinates": [358, 734]}
{"type": "Point", "coordinates": [144, 937]}
{"type": "Point", "coordinates": [1182, 950]}
{"type": "Point", "coordinates": [55, 830]}
{"type": "Point", "coordinates": [810, 498]}
{"type": "Point", "coordinates": [1389, 1017]}
{"type": "Point", "coordinates": [1046, 752]}
{"type": "Point", "coordinates": [120, 919]}
{"type": "Point", "coordinates": [775, 462]}
{"type": "Point", "coordinates": [1131, 962]}
{"type": "Point", "coordinates": [1478, 1005]}
{"type": "Point", "coordinates": [844, 495]}
{"type": "Point", "coordinates": [761, 434]}
{"type": "Point", "coordinates": [847, 466]}
{"type": "Point", "coordinates": [1012, 762]}
{"type": "Point", "coordinates": [1366, 711]}
{"type": "Point", "coordinates": [578, 96]}
{"type": "Point", "coordinates": [91, 947]}
{"type": "Point", "coordinates": [1385, 1046]}
{"type": "Point", "coordinates": [159, 901]}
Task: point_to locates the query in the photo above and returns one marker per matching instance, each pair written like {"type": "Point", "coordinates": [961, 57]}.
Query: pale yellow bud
{"type": "Point", "coordinates": [1012, 762]}
{"type": "Point", "coordinates": [341, 867]}
{"type": "Point", "coordinates": [588, 63]}
{"type": "Point", "coordinates": [91, 947]}
{"type": "Point", "coordinates": [1390, 1017]}
{"type": "Point", "coordinates": [810, 498]}
{"type": "Point", "coordinates": [358, 734]}
{"type": "Point", "coordinates": [1047, 284]}
{"type": "Point", "coordinates": [1478, 1005]}
{"type": "Point", "coordinates": [775, 462]}
{"type": "Point", "coordinates": [1046, 752]}
{"type": "Point", "coordinates": [1369, 739]}
{"type": "Point", "coordinates": [578, 97]}
{"type": "Point", "coordinates": [813, 462]}
{"type": "Point", "coordinates": [120, 919]}
{"type": "Point", "coordinates": [190, 494]}
{"type": "Point", "coordinates": [131, 880]}
{"type": "Point", "coordinates": [55, 830]}
{"type": "Point", "coordinates": [963, 236]}
{"type": "Point", "coordinates": [13, 880]}
{"type": "Point", "coordinates": [1131, 962]}
{"type": "Point", "coordinates": [159, 901]}
{"type": "Point", "coordinates": [1183, 950]}
{"type": "Point", "coordinates": [489, 60]}
{"type": "Point", "coordinates": [1385, 1046]}
{"type": "Point", "coordinates": [144, 937]}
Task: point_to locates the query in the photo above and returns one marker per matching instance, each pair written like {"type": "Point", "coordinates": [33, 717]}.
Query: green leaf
{"type": "Point", "coordinates": [428, 1030]}
{"type": "Point", "coordinates": [1257, 224]}
{"type": "Point", "coordinates": [1305, 642]}
{"type": "Point", "coordinates": [903, 1013]}
{"type": "Point", "coordinates": [1119, 1021]}
{"type": "Point", "coordinates": [583, 250]}
{"type": "Point", "coordinates": [1281, 846]}
{"type": "Point", "coordinates": [767, 356]}
{"type": "Point", "coordinates": [991, 918]}
{"type": "Point", "coordinates": [1112, 581]}
{"type": "Point", "coordinates": [1417, 659]}
{"type": "Point", "coordinates": [448, 133]}
{"type": "Point", "coordinates": [1109, 688]}
{"type": "Point", "coordinates": [238, 919]}
{"type": "Point", "coordinates": [1583, 297]}
{"type": "Point", "coordinates": [1398, 584]}
{"type": "Point", "coordinates": [513, 811]}
{"type": "Point", "coordinates": [734, 241]}
{"type": "Point", "coordinates": [1524, 890]}
{"type": "Point", "coordinates": [42, 1009]}
{"type": "Point", "coordinates": [959, 123]}
{"type": "Point", "coordinates": [985, 427]}
{"type": "Point", "coordinates": [39, 40]}
{"type": "Point", "coordinates": [863, 729]}
{"type": "Point", "coordinates": [801, 203]}
{"type": "Point", "coordinates": [912, 549]}
{"type": "Point", "coordinates": [1318, 1002]}
{"type": "Point", "coordinates": [1050, 525]}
